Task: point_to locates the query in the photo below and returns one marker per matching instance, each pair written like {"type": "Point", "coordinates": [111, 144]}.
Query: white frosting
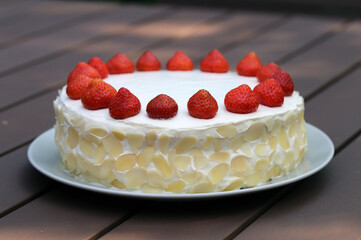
{"type": "Point", "coordinates": [180, 86]}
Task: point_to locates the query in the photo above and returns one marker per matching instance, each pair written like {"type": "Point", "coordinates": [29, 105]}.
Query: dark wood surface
{"type": "Point", "coordinates": [41, 41]}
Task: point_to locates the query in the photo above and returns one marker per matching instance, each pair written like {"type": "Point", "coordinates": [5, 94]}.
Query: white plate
{"type": "Point", "coordinates": [44, 156]}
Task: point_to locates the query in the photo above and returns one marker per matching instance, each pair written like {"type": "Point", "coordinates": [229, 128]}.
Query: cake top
{"type": "Point", "coordinates": [180, 85]}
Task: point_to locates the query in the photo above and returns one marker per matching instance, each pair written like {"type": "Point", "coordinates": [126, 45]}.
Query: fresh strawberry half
{"type": "Point", "coordinates": [119, 64]}
{"type": "Point", "coordinates": [241, 100]}
{"type": "Point", "coordinates": [100, 66]}
{"type": "Point", "coordinates": [124, 105]}
{"type": "Point", "coordinates": [148, 62]}
{"type": "Point", "coordinates": [202, 105]}
{"type": "Point", "coordinates": [249, 65]}
{"type": "Point", "coordinates": [97, 95]}
{"type": "Point", "coordinates": [162, 107]}
{"type": "Point", "coordinates": [270, 93]}
{"type": "Point", "coordinates": [180, 62]}
{"type": "Point", "coordinates": [214, 62]}
{"type": "Point", "coordinates": [77, 86]}
{"type": "Point", "coordinates": [285, 80]}
{"type": "Point", "coordinates": [85, 69]}
{"type": "Point", "coordinates": [266, 71]}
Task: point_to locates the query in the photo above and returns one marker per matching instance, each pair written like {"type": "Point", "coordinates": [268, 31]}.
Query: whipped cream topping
{"type": "Point", "coordinates": [180, 86]}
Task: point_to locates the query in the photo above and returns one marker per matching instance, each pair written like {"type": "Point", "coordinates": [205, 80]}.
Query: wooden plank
{"type": "Point", "coordinates": [315, 67]}
{"type": "Point", "coordinates": [273, 45]}
{"type": "Point", "coordinates": [19, 180]}
{"type": "Point", "coordinates": [325, 206]}
{"type": "Point", "coordinates": [65, 214]}
{"type": "Point", "coordinates": [55, 70]}
{"type": "Point", "coordinates": [10, 10]}
{"type": "Point", "coordinates": [45, 15]}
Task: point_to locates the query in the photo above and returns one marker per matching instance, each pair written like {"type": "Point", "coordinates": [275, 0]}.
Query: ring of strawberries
{"type": "Point", "coordinates": [85, 83]}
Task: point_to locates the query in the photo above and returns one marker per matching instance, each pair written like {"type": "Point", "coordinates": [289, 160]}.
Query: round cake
{"type": "Point", "coordinates": [181, 154]}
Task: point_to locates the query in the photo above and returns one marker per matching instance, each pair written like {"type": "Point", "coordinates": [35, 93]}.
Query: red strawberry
{"type": "Point", "coordinates": [97, 95]}
{"type": "Point", "coordinates": [180, 62]}
{"type": "Point", "coordinates": [148, 62]}
{"type": "Point", "coordinates": [85, 69]}
{"type": "Point", "coordinates": [120, 63]}
{"type": "Point", "coordinates": [266, 71]}
{"type": "Point", "coordinates": [77, 86]}
{"type": "Point", "coordinates": [285, 80]}
{"type": "Point", "coordinates": [269, 93]}
{"type": "Point", "coordinates": [162, 106]}
{"type": "Point", "coordinates": [214, 62]}
{"type": "Point", "coordinates": [241, 100]}
{"type": "Point", "coordinates": [100, 66]}
{"type": "Point", "coordinates": [249, 65]}
{"type": "Point", "coordinates": [202, 105]}
{"type": "Point", "coordinates": [124, 105]}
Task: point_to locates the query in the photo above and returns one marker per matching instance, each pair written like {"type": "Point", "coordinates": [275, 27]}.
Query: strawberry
{"type": "Point", "coordinates": [162, 106]}
{"type": "Point", "coordinates": [120, 63]}
{"type": "Point", "coordinates": [148, 62]}
{"type": "Point", "coordinates": [249, 65]}
{"type": "Point", "coordinates": [85, 69]}
{"type": "Point", "coordinates": [241, 100]}
{"type": "Point", "coordinates": [269, 93]}
{"type": "Point", "coordinates": [214, 62]}
{"type": "Point", "coordinates": [77, 85]}
{"type": "Point", "coordinates": [124, 105]}
{"type": "Point", "coordinates": [180, 62]}
{"type": "Point", "coordinates": [266, 71]}
{"type": "Point", "coordinates": [202, 105]}
{"type": "Point", "coordinates": [97, 95]}
{"type": "Point", "coordinates": [285, 80]}
{"type": "Point", "coordinates": [100, 66]}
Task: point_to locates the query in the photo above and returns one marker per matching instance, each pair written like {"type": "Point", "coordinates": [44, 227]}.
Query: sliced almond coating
{"type": "Point", "coordinates": [119, 134]}
{"type": "Point", "coordinates": [99, 154]}
{"type": "Point", "coordinates": [290, 118]}
{"type": "Point", "coordinates": [176, 187]}
{"type": "Point", "coordinates": [100, 132]}
{"type": "Point", "coordinates": [194, 152]}
{"type": "Point", "coordinates": [275, 171]}
{"type": "Point", "coordinates": [87, 147]}
{"type": "Point", "coordinates": [182, 162]}
{"type": "Point", "coordinates": [283, 139]}
{"type": "Point", "coordinates": [135, 141]}
{"type": "Point", "coordinates": [150, 138]}
{"type": "Point", "coordinates": [200, 161]}
{"type": "Point", "coordinates": [292, 130]}
{"type": "Point", "coordinates": [203, 187]}
{"type": "Point", "coordinates": [228, 131]}
{"type": "Point", "coordinates": [191, 177]}
{"type": "Point", "coordinates": [236, 184]}
{"type": "Point", "coordinates": [273, 142]}
{"type": "Point", "coordinates": [73, 138]}
{"type": "Point", "coordinates": [70, 161]}
{"type": "Point", "coordinates": [113, 146]}
{"type": "Point", "coordinates": [156, 179]}
{"type": "Point", "coordinates": [208, 142]}
{"type": "Point", "coordinates": [246, 149]}
{"type": "Point", "coordinates": [262, 150]}
{"type": "Point", "coordinates": [78, 123]}
{"type": "Point", "coordinates": [171, 161]}
{"type": "Point", "coordinates": [162, 165]}
{"type": "Point", "coordinates": [145, 156]}
{"type": "Point", "coordinates": [185, 144]}
{"type": "Point", "coordinates": [235, 143]}
{"type": "Point", "coordinates": [240, 164]}
{"type": "Point", "coordinates": [288, 159]}
{"type": "Point", "coordinates": [218, 172]}
{"type": "Point", "coordinates": [253, 179]}
{"type": "Point", "coordinates": [254, 132]}
{"type": "Point", "coordinates": [217, 144]}
{"type": "Point", "coordinates": [147, 188]}
{"type": "Point", "coordinates": [163, 144]}
{"type": "Point", "coordinates": [219, 156]}
{"type": "Point", "coordinates": [135, 177]}
{"type": "Point", "coordinates": [118, 184]}
{"type": "Point", "coordinates": [126, 162]}
{"type": "Point", "coordinates": [92, 138]}
{"type": "Point", "coordinates": [262, 164]}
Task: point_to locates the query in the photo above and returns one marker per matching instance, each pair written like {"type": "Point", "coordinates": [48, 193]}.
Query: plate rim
{"type": "Point", "coordinates": [79, 184]}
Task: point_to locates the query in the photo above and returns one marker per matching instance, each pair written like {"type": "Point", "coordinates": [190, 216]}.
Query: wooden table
{"type": "Point", "coordinates": [41, 41]}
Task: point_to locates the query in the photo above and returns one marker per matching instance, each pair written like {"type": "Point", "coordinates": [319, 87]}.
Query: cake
{"type": "Point", "coordinates": [182, 154]}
